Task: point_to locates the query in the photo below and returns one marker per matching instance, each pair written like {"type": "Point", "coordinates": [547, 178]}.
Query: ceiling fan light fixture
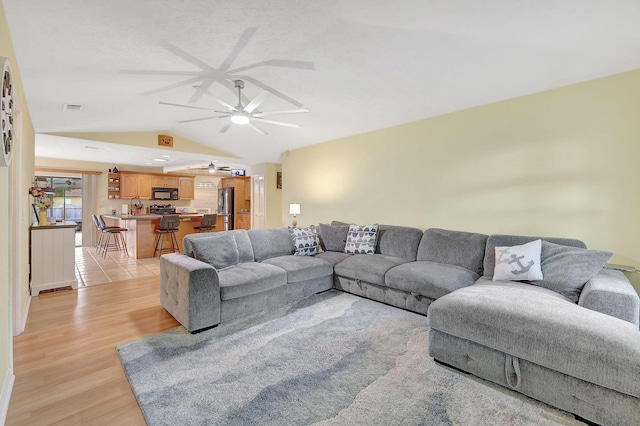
{"type": "Point", "coordinates": [239, 119]}
{"type": "Point", "coordinates": [212, 167]}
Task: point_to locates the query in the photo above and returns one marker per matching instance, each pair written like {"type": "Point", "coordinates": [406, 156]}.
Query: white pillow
{"type": "Point", "coordinates": [518, 263]}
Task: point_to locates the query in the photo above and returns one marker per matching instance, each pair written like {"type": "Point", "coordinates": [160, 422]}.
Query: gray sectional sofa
{"type": "Point", "coordinates": [581, 357]}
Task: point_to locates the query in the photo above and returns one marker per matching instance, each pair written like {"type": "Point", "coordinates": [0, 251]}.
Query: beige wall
{"type": "Point", "coordinates": [558, 163]}
{"type": "Point", "coordinates": [12, 227]}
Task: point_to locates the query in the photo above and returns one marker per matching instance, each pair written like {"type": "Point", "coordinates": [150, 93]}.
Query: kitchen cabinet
{"type": "Point", "coordinates": [158, 181]}
{"type": "Point", "coordinates": [135, 185]}
{"type": "Point", "coordinates": [243, 221]}
{"type": "Point", "coordinates": [186, 188]}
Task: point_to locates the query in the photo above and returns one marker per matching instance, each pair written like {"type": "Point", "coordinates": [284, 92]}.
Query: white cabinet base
{"type": "Point", "coordinates": [52, 258]}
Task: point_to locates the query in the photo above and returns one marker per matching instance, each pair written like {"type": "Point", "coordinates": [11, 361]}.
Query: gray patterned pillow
{"type": "Point", "coordinates": [219, 251]}
{"type": "Point", "coordinates": [567, 269]}
{"type": "Point", "coordinates": [305, 241]}
{"type": "Point", "coordinates": [361, 239]}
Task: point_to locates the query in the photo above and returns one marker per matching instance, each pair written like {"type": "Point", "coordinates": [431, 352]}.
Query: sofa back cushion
{"type": "Point", "coordinates": [464, 249]}
{"type": "Point", "coordinates": [243, 244]}
{"type": "Point", "coordinates": [398, 241]}
{"type": "Point", "coordinates": [219, 251]}
{"type": "Point", "coordinates": [500, 240]}
{"type": "Point", "coordinates": [268, 243]}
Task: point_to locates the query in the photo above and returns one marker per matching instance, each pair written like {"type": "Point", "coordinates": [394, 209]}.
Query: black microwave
{"type": "Point", "coordinates": [164, 193]}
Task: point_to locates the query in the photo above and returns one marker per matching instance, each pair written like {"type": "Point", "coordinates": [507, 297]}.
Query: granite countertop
{"type": "Point", "coordinates": [64, 224]}
{"type": "Point", "coordinates": [147, 216]}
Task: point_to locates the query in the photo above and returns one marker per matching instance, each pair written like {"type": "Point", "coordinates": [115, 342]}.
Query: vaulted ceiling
{"type": "Point", "coordinates": [356, 65]}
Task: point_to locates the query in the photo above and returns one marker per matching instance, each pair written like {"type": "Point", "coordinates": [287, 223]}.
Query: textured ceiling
{"type": "Point", "coordinates": [357, 65]}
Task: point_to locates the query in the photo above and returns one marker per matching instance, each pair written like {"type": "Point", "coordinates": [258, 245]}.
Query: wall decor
{"type": "Point", "coordinates": [8, 133]}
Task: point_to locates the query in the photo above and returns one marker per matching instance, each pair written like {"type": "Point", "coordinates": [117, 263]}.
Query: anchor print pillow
{"type": "Point", "coordinates": [518, 263]}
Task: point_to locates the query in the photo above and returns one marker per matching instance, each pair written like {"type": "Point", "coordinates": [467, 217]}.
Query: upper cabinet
{"type": "Point", "coordinates": [186, 188]}
{"type": "Point", "coordinates": [133, 184]}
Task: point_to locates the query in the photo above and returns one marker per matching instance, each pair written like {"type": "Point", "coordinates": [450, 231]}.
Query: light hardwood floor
{"type": "Point", "coordinates": [66, 366]}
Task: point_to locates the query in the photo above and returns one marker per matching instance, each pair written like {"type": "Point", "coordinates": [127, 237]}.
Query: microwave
{"type": "Point", "coordinates": [164, 193]}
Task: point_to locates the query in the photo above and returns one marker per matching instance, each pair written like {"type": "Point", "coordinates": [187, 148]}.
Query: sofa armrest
{"type": "Point", "coordinates": [190, 291]}
{"type": "Point", "coordinates": [611, 293]}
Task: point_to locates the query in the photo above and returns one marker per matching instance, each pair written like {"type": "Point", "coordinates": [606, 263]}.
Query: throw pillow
{"type": "Point", "coordinates": [333, 237]}
{"type": "Point", "coordinates": [219, 251]}
{"type": "Point", "coordinates": [567, 269]}
{"type": "Point", "coordinates": [518, 263]}
{"type": "Point", "coordinates": [361, 239]}
{"type": "Point", "coordinates": [305, 241]}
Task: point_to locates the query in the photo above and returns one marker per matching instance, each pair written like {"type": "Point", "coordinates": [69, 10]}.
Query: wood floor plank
{"type": "Point", "coordinates": [66, 366]}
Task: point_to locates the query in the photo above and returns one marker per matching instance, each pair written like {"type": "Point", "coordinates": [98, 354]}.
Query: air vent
{"type": "Point", "coordinates": [71, 107]}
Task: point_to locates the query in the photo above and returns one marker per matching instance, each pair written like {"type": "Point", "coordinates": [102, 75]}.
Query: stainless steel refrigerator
{"type": "Point", "coordinates": [225, 207]}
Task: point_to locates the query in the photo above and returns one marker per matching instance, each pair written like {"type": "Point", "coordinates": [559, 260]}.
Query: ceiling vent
{"type": "Point", "coordinates": [71, 107]}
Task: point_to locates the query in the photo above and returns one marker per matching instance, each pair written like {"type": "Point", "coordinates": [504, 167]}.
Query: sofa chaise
{"type": "Point", "coordinates": [579, 355]}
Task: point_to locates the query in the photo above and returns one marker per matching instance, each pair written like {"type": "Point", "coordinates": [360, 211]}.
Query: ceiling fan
{"type": "Point", "coordinates": [241, 114]}
{"type": "Point", "coordinates": [212, 168]}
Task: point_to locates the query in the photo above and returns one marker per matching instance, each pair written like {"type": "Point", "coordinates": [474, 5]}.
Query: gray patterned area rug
{"type": "Point", "coordinates": [333, 359]}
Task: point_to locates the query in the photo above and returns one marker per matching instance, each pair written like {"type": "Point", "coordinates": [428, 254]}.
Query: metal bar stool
{"type": "Point", "coordinates": [208, 223]}
{"type": "Point", "coordinates": [168, 226]}
{"type": "Point", "coordinates": [100, 227]}
{"type": "Point", "coordinates": [114, 238]}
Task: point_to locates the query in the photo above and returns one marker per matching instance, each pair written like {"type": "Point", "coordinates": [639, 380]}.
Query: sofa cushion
{"type": "Point", "coordinates": [333, 257]}
{"type": "Point", "coordinates": [465, 249]}
{"type": "Point", "coordinates": [245, 251]}
{"type": "Point", "coordinates": [269, 243]}
{"type": "Point", "coordinates": [398, 241]}
{"type": "Point", "coordinates": [219, 251]}
{"type": "Point", "coordinates": [430, 279]}
{"type": "Point", "coordinates": [301, 268]}
{"type": "Point", "coordinates": [333, 237]}
{"type": "Point", "coordinates": [305, 241]}
{"type": "Point", "coordinates": [370, 268]}
{"type": "Point", "coordinates": [361, 239]}
{"type": "Point", "coordinates": [567, 269]}
{"type": "Point", "coordinates": [543, 327]}
{"type": "Point", "coordinates": [250, 278]}
{"type": "Point", "coordinates": [518, 263]}
{"type": "Point", "coordinates": [514, 240]}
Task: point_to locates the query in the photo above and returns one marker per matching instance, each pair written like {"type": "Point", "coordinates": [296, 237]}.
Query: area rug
{"type": "Point", "coordinates": [333, 359]}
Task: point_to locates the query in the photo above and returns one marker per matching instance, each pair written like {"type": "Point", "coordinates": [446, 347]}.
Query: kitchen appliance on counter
{"type": "Point", "coordinates": [225, 207]}
{"type": "Point", "coordinates": [162, 209]}
{"type": "Point", "coordinates": [164, 193]}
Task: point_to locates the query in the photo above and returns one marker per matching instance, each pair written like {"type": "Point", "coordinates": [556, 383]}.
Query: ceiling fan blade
{"type": "Point", "coordinates": [187, 106]}
{"type": "Point", "coordinates": [218, 100]}
{"type": "Point", "coordinates": [202, 119]}
{"type": "Point", "coordinates": [224, 129]}
{"type": "Point", "coordinates": [255, 103]}
{"type": "Point", "coordinates": [247, 34]}
{"type": "Point", "coordinates": [270, 89]}
{"type": "Point", "coordinates": [288, 111]}
{"type": "Point", "coordinates": [304, 65]}
{"type": "Point", "coordinates": [279, 123]}
{"type": "Point", "coordinates": [256, 128]}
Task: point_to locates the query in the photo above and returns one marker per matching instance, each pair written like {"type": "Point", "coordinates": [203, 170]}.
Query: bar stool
{"type": "Point", "coordinates": [100, 228]}
{"type": "Point", "coordinates": [114, 238]}
{"type": "Point", "coordinates": [207, 224]}
{"type": "Point", "coordinates": [168, 226]}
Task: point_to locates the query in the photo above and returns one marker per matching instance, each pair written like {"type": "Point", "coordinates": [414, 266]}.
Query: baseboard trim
{"type": "Point", "coordinates": [5, 396]}
{"type": "Point", "coordinates": [25, 315]}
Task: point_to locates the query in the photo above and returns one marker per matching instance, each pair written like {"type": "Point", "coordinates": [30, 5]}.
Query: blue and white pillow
{"type": "Point", "coordinates": [518, 263]}
{"type": "Point", "coordinates": [361, 239]}
{"type": "Point", "coordinates": [305, 241]}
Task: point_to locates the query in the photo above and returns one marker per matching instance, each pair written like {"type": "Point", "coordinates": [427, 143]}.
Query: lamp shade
{"type": "Point", "coordinates": [294, 208]}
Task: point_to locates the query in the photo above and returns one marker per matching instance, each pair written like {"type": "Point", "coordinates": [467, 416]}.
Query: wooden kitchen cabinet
{"type": "Point", "coordinates": [243, 221]}
{"type": "Point", "coordinates": [186, 188]}
{"type": "Point", "coordinates": [135, 185]}
{"type": "Point", "coordinates": [158, 181]}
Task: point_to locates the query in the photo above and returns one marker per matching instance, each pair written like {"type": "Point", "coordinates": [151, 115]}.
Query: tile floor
{"type": "Point", "coordinates": [93, 269]}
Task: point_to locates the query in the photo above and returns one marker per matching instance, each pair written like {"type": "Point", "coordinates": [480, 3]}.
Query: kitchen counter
{"type": "Point", "coordinates": [56, 225]}
{"type": "Point", "coordinates": [141, 236]}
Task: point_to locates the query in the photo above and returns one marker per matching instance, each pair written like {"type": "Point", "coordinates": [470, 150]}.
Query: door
{"type": "Point", "coordinates": [258, 201]}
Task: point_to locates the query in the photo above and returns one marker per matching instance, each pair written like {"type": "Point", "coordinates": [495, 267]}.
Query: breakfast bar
{"type": "Point", "coordinates": [141, 236]}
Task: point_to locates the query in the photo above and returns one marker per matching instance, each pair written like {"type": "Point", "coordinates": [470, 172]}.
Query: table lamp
{"type": "Point", "coordinates": [294, 209]}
